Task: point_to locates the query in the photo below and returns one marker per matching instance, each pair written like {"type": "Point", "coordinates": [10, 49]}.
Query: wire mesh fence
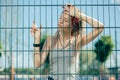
{"type": "Point", "coordinates": [97, 59]}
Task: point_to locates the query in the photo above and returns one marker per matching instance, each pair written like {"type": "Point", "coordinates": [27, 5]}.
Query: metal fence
{"type": "Point", "coordinates": [16, 42]}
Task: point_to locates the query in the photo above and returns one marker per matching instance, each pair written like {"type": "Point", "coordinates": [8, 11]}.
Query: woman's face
{"type": "Point", "coordinates": [64, 21]}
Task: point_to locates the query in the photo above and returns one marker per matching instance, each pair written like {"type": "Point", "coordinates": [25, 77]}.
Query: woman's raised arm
{"type": "Point", "coordinates": [39, 58]}
{"type": "Point", "coordinates": [98, 28]}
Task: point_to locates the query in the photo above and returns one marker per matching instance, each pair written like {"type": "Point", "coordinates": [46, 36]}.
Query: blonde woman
{"type": "Point", "coordinates": [64, 47]}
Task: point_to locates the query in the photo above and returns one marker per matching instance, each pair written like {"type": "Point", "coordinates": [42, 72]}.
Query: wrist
{"type": "Point", "coordinates": [81, 16]}
{"type": "Point", "coordinates": [37, 41]}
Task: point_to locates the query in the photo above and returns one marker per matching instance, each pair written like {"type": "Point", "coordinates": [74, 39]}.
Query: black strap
{"type": "Point", "coordinates": [36, 45]}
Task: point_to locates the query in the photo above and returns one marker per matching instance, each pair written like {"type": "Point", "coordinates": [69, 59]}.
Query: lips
{"type": "Point", "coordinates": [65, 10]}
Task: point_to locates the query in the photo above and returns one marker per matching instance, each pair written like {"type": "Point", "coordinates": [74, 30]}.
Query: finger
{"type": "Point", "coordinates": [31, 29]}
{"type": "Point", "coordinates": [34, 26]}
{"type": "Point", "coordinates": [40, 26]}
{"type": "Point", "coordinates": [32, 32]}
{"type": "Point", "coordinates": [34, 29]}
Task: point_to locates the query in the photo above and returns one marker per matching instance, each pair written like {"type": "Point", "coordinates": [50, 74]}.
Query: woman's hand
{"type": "Point", "coordinates": [36, 32]}
{"type": "Point", "coordinates": [73, 11]}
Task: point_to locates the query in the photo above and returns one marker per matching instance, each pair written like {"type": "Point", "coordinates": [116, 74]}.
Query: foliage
{"type": "Point", "coordinates": [89, 72]}
{"type": "Point", "coordinates": [0, 45]}
{"type": "Point", "coordinates": [86, 58]}
{"type": "Point", "coordinates": [32, 71]}
{"type": "Point", "coordinates": [23, 71]}
{"type": "Point", "coordinates": [0, 54]}
{"type": "Point", "coordinates": [103, 48]}
{"type": "Point", "coordinates": [0, 48]}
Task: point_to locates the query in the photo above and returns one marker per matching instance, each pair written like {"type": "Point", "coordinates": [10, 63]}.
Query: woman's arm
{"type": "Point", "coordinates": [98, 28]}
{"type": "Point", "coordinates": [39, 58]}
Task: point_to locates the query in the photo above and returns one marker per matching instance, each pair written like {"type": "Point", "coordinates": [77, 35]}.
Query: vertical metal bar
{"type": "Point", "coordinates": [109, 28]}
{"type": "Point", "coordinates": [57, 45]}
{"type": "Point", "coordinates": [17, 40]}
{"type": "Point", "coordinates": [69, 44]}
{"type": "Point", "coordinates": [63, 41]}
{"type": "Point", "coordinates": [99, 62]}
{"type": "Point", "coordinates": [34, 36]}
{"type": "Point", "coordinates": [92, 36]}
{"type": "Point", "coordinates": [22, 37]}
{"type": "Point", "coordinates": [12, 68]}
{"type": "Point", "coordinates": [41, 32]}
{"type": "Point", "coordinates": [75, 43]}
{"type": "Point", "coordinates": [80, 50]}
{"type": "Point", "coordinates": [86, 36]}
{"type": "Point", "coordinates": [63, 49]}
{"type": "Point", "coordinates": [104, 30]}
{"type": "Point", "coordinates": [29, 51]}
{"type": "Point", "coordinates": [5, 33]}
{"type": "Point", "coordinates": [11, 44]}
{"type": "Point", "coordinates": [115, 42]}
{"type": "Point", "coordinates": [46, 29]}
{"type": "Point", "coordinates": [51, 30]}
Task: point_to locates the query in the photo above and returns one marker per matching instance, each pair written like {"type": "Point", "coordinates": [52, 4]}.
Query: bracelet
{"type": "Point", "coordinates": [36, 45]}
{"type": "Point", "coordinates": [36, 53]}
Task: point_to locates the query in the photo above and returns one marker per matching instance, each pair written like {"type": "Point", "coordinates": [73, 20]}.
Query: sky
{"type": "Point", "coordinates": [15, 23]}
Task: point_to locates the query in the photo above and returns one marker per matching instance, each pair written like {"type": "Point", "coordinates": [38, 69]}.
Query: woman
{"type": "Point", "coordinates": [63, 48]}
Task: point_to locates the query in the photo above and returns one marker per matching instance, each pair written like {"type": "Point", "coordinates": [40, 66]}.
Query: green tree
{"type": "Point", "coordinates": [103, 48]}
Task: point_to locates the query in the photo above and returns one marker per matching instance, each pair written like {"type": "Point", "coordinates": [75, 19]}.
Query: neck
{"type": "Point", "coordinates": [65, 34]}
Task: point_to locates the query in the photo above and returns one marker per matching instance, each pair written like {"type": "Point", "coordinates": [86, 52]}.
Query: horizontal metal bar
{"type": "Point", "coordinates": [51, 27]}
{"type": "Point", "coordinates": [51, 50]}
{"type": "Point", "coordinates": [23, 76]}
{"type": "Point", "coordinates": [62, 5]}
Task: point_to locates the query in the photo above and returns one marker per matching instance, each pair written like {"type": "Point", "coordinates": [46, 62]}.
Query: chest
{"type": "Point", "coordinates": [62, 51]}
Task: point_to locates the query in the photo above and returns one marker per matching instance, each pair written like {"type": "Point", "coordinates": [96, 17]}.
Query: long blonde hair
{"type": "Point", "coordinates": [80, 31]}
